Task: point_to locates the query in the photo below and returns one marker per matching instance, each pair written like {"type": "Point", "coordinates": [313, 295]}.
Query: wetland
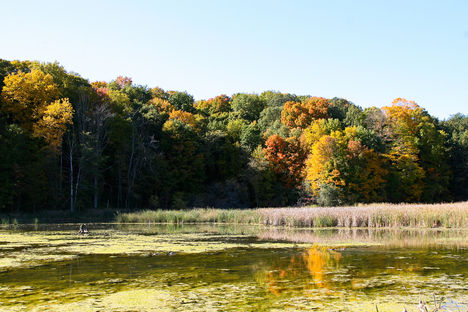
{"type": "Point", "coordinates": [158, 267]}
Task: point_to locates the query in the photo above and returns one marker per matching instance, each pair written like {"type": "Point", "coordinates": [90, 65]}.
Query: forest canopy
{"type": "Point", "coordinates": [67, 143]}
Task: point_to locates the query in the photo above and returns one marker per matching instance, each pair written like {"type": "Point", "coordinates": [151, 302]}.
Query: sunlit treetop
{"type": "Point", "coordinates": [26, 95]}
{"type": "Point", "coordinates": [301, 114]}
{"type": "Point", "coordinates": [219, 104]}
{"type": "Point", "coordinates": [123, 81]}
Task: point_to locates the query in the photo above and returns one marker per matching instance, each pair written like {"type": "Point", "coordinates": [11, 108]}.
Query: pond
{"type": "Point", "coordinates": [230, 268]}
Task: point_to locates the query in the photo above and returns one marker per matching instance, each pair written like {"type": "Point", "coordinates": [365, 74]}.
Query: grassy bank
{"type": "Point", "coordinates": [198, 215]}
{"type": "Point", "coordinates": [454, 215]}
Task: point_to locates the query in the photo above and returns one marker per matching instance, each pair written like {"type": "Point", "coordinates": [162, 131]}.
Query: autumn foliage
{"type": "Point", "coordinates": [31, 100]}
{"type": "Point", "coordinates": [26, 96]}
{"type": "Point", "coordinates": [53, 124]}
{"type": "Point", "coordinates": [219, 104]}
{"type": "Point", "coordinates": [68, 142]}
{"type": "Point", "coordinates": [301, 114]}
{"type": "Point", "coordinates": [287, 158]}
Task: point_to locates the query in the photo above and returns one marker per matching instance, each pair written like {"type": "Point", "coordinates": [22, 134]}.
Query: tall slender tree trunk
{"type": "Point", "coordinates": [119, 191]}
{"type": "Point", "coordinates": [76, 186]}
{"type": "Point", "coordinates": [129, 170]}
{"type": "Point", "coordinates": [61, 171]}
{"type": "Point", "coordinates": [95, 191]}
{"type": "Point", "coordinates": [98, 162]}
{"type": "Point", "coordinates": [72, 207]}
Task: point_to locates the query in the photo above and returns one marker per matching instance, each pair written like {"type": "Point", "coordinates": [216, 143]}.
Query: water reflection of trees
{"type": "Point", "coordinates": [390, 237]}
{"type": "Point", "coordinates": [306, 270]}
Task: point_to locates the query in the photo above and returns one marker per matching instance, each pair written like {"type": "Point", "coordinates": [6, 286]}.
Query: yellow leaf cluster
{"type": "Point", "coordinates": [319, 165]}
{"type": "Point", "coordinates": [30, 98]}
{"type": "Point", "coordinates": [195, 121]}
{"type": "Point", "coordinates": [162, 105]}
{"type": "Point", "coordinates": [54, 121]}
{"type": "Point", "coordinates": [26, 96]}
{"type": "Point", "coordinates": [314, 132]}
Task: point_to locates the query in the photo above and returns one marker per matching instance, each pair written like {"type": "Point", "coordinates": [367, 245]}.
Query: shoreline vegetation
{"type": "Point", "coordinates": [377, 215]}
{"type": "Point", "coordinates": [450, 215]}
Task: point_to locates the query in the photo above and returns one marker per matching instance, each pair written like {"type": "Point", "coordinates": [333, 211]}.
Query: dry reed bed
{"type": "Point", "coordinates": [374, 215]}
{"type": "Point", "coordinates": [453, 215]}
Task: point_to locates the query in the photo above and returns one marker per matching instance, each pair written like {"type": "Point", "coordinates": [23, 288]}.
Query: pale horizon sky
{"type": "Point", "coordinates": [368, 52]}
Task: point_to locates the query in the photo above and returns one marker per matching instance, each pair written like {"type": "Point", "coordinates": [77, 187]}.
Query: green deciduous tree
{"type": "Point", "coordinates": [182, 101]}
{"type": "Point", "coordinates": [247, 106]}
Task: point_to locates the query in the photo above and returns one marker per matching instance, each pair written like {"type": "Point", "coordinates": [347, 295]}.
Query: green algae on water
{"type": "Point", "coordinates": [157, 268]}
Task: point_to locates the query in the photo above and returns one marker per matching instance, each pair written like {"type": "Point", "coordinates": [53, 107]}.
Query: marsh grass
{"type": "Point", "coordinates": [453, 215]}
{"type": "Point", "coordinates": [200, 215]}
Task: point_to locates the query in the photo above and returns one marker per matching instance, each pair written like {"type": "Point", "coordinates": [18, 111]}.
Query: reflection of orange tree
{"type": "Point", "coordinates": [312, 263]}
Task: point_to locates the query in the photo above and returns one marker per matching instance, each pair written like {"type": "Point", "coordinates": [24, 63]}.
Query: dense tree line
{"type": "Point", "coordinates": [67, 143]}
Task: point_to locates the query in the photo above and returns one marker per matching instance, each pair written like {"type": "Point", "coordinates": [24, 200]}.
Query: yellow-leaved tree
{"type": "Point", "coordinates": [31, 99]}
{"type": "Point", "coordinates": [54, 121]}
{"type": "Point", "coordinates": [162, 105]}
{"type": "Point", "coordinates": [405, 119]}
{"type": "Point", "coordinates": [195, 121]}
{"type": "Point", "coordinates": [322, 165]}
{"type": "Point", "coordinates": [25, 96]}
{"type": "Point", "coordinates": [340, 161]}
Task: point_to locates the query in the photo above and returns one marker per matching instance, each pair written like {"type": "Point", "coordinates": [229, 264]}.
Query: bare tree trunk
{"type": "Point", "coordinates": [76, 185]}
{"type": "Point", "coordinates": [101, 115]}
{"type": "Point", "coordinates": [119, 191]}
{"type": "Point", "coordinates": [72, 208]}
{"type": "Point", "coordinates": [61, 170]}
{"type": "Point", "coordinates": [98, 159]}
{"type": "Point", "coordinates": [129, 169]}
{"type": "Point", "coordinates": [95, 191]}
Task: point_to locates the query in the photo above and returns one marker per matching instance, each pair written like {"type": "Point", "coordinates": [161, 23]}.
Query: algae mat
{"type": "Point", "coordinates": [196, 268]}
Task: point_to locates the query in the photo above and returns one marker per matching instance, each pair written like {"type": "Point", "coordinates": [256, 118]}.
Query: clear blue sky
{"type": "Point", "coordinates": [369, 52]}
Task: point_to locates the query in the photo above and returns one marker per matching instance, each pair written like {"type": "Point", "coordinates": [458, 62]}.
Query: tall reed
{"type": "Point", "coordinates": [453, 215]}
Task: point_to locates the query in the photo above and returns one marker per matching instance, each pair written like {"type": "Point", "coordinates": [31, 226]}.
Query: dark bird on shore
{"type": "Point", "coordinates": [83, 229]}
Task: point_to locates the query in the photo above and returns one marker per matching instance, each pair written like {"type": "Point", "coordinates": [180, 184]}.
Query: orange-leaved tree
{"type": "Point", "coordinates": [286, 157]}
{"type": "Point", "coordinates": [301, 114]}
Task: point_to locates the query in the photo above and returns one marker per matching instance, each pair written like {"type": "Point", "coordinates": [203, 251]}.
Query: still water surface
{"type": "Point", "coordinates": [208, 268]}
